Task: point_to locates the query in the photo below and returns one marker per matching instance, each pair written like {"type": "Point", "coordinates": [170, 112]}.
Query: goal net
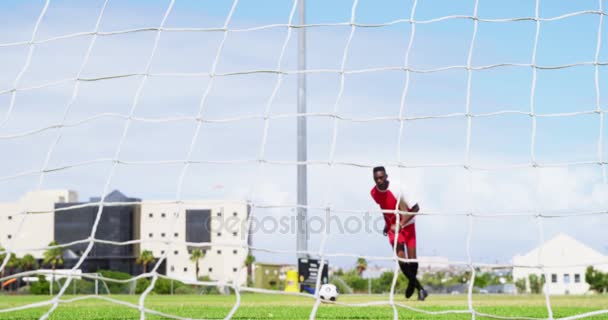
{"type": "Point", "coordinates": [489, 114]}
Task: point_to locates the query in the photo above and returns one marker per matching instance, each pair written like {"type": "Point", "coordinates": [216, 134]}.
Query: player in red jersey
{"type": "Point", "coordinates": [406, 230]}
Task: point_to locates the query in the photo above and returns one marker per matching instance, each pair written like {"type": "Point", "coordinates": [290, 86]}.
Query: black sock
{"type": "Point", "coordinates": [414, 273]}
{"type": "Point", "coordinates": [405, 269]}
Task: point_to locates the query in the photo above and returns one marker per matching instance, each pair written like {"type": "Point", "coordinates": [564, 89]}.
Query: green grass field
{"type": "Point", "coordinates": [264, 306]}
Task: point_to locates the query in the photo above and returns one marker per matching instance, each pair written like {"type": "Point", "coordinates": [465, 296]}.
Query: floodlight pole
{"type": "Point", "coordinates": [302, 230]}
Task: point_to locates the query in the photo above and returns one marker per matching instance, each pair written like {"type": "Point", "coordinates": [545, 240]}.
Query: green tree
{"type": "Point", "coordinates": [596, 279]}
{"type": "Point", "coordinates": [521, 285]}
{"type": "Point", "coordinates": [54, 258]}
{"type": "Point", "coordinates": [249, 261]}
{"type": "Point", "coordinates": [13, 262]}
{"type": "Point", "coordinates": [145, 257]}
{"type": "Point", "coordinates": [2, 256]}
{"type": "Point", "coordinates": [536, 283]}
{"type": "Point", "coordinates": [361, 266]}
{"type": "Point", "coordinates": [28, 262]}
{"type": "Point", "coordinates": [196, 255]}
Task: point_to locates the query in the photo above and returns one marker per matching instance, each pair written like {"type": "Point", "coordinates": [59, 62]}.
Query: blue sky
{"type": "Point", "coordinates": [497, 140]}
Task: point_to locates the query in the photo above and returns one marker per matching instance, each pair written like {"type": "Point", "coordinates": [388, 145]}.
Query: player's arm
{"type": "Point", "coordinates": [403, 207]}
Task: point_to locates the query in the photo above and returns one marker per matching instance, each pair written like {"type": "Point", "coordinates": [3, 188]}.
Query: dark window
{"type": "Point", "coordinates": [210, 269]}
{"type": "Point", "coordinates": [234, 234]}
{"type": "Point", "coordinates": [219, 214]}
{"type": "Point", "coordinates": [554, 278]}
{"type": "Point", "coordinates": [149, 235]}
{"type": "Point", "coordinates": [163, 215]}
{"type": "Point", "coordinates": [10, 237]}
{"type": "Point", "coordinates": [175, 234]}
{"type": "Point", "coordinates": [162, 234]}
{"type": "Point", "coordinates": [162, 252]}
{"type": "Point", "coordinates": [233, 269]}
{"type": "Point", "coordinates": [234, 251]}
{"type": "Point", "coordinates": [150, 215]}
{"type": "Point", "coordinates": [117, 223]}
{"type": "Point", "coordinates": [185, 269]}
{"type": "Point", "coordinates": [219, 234]}
{"type": "Point", "coordinates": [235, 214]}
{"type": "Point", "coordinates": [577, 278]}
{"type": "Point", "coordinates": [219, 251]}
{"type": "Point", "coordinates": [198, 226]}
{"type": "Point", "coordinates": [175, 252]}
{"type": "Point", "coordinates": [10, 217]}
{"type": "Point", "coordinates": [172, 268]}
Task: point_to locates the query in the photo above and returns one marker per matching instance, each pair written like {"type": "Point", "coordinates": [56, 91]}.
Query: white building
{"type": "Point", "coordinates": [37, 230]}
{"type": "Point", "coordinates": [566, 259]}
{"type": "Point", "coordinates": [218, 223]}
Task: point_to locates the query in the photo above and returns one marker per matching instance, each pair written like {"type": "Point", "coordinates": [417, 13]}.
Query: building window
{"type": "Point", "coordinates": [162, 215]}
{"type": "Point", "coordinates": [234, 234]}
{"type": "Point", "coordinates": [10, 217]}
{"type": "Point", "coordinates": [219, 251]}
{"type": "Point", "coordinates": [175, 234]}
{"type": "Point", "coordinates": [233, 269]}
{"type": "Point", "coordinates": [234, 251]}
{"type": "Point", "coordinates": [149, 235]}
{"type": "Point", "coordinates": [172, 268]}
{"type": "Point", "coordinates": [210, 269]}
{"type": "Point", "coordinates": [162, 234]}
{"type": "Point", "coordinates": [175, 252]}
{"type": "Point", "coordinates": [150, 215]}
{"type": "Point", "coordinates": [10, 237]}
{"type": "Point", "coordinates": [162, 252]}
{"type": "Point", "coordinates": [219, 234]}
{"type": "Point", "coordinates": [219, 214]}
{"type": "Point", "coordinates": [185, 269]}
{"type": "Point", "coordinates": [577, 278]}
{"type": "Point", "coordinates": [234, 214]}
{"type": "Point", "coordinates": [554, 278]}
{"type": "Point", "coordinates": [566, 278]}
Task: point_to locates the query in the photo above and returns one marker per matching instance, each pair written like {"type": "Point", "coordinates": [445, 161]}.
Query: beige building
{"type": "Point", "coordinates": [566, 259]}
{"type": "Point", "coordinates": [218, 223]}
{"type": "Point", "coordinates": [37, 230]}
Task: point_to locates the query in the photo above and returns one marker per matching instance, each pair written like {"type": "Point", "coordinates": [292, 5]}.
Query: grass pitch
{"type": "Point", "coordinates": [265, 306]}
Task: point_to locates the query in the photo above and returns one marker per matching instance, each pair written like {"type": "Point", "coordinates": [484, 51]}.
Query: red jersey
{"type": "Point", "coordinates": [387, 201]}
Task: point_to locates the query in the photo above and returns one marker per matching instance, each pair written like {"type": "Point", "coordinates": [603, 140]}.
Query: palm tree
{"type": "Point", "coordinates": [145, 257]}
{"type": "Point", "coordinates": [361, 266]}
{"type": "Point", "coordinates": [28, 262]}
{"type": "Point", "coordinates": [195, 256]}
{"type": "Point", "coordinates": [249, 261]}
{"type": "Point", "coordinates": [54, 257]}
{"type": "Point", "coordinates": [2, 256]}
{"type": "Point", "coordinates": [13, 262]}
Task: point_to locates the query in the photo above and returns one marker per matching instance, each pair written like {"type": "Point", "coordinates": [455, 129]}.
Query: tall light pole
{"type": "Point", "coordinates": [302, 230]}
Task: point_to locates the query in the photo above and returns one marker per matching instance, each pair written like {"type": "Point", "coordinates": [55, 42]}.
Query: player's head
{"type": "Point", "coordinates": [381, 178]}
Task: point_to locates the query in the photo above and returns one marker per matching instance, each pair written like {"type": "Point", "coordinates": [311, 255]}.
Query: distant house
{"type": "Point", "coordinates": [566, 260]}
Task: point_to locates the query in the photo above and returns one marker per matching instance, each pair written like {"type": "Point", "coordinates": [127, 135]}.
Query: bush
{"type": "Point", "coordinates": [41, 286]}
{"type": "Point", "coordinates": [185, 290]}
{"type": "Point", "coordinates": [208, 289]}
{"type": "Point", "coordinates": [141, 285]}
{"type": "Point", "coordinates": [116, 287]}
{"type": "Point", "coordinates": [596, 279]}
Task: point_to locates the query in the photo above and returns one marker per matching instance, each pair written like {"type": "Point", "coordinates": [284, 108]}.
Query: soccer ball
{"type": "Point", "coordinates": [328, 292]}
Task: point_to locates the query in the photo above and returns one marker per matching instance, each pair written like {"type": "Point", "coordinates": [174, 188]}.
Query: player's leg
{"type": "Point", "coordinates": [400, 252]}
{"type": "Point", "coordinates": [410, 241]}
